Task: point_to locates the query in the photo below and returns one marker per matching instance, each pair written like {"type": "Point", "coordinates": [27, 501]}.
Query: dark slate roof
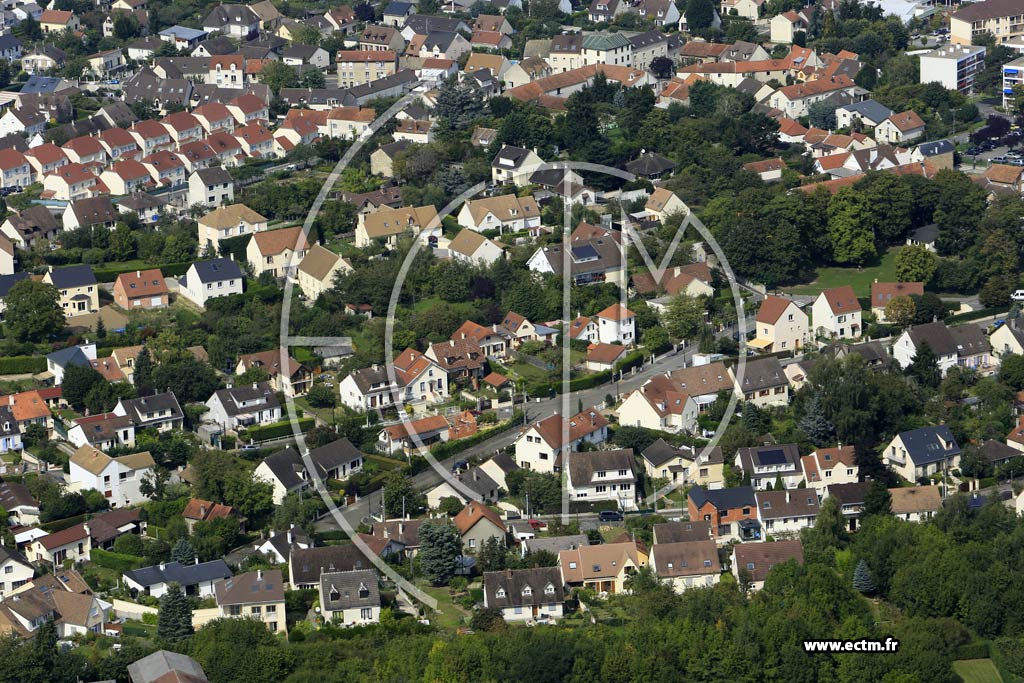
{"type": "Point", "coordinates": [931, 149]}
{"type": "Point", "coordinates": [723, 499]}
{"type": "Point", "coordinates": [660, 452]}
{"type": "Point", "coordinates": [403, 77]}
{"type": "Point", "coordinates": [766, 456]}
{"type": "Point", "coordinates": [515, 155]}
{"type": "Point", "coordinates": [929, 444]}
{"type": "Point", "coordinates": [40, 84]}
{"type": "Point", "coordinates": [583, 465]}
{"type": "Point", "coordinates": [480, 483]}
{"type": "Point", "coordinates": [926, 234]}
{"type": "Point", "coordinates": [871, 109]}
{"type": "Point", "coordinates": [94, 210]}
{"type": "Point", "coordinates": [763, 373]}
{"type": "Point", "coordinates": [556, 544]}
{"type": "Point", "coordinates": [216, 269]}
{"type": "Point", "coordinates": [215, 175]}
{"type": "Point", "coordinates": [398, 8]}
{"type": "Point", "coordinates": [425, 25]}
{"type": "Point", "coordinates": [8, 281]}
{"type": "Point", "coordinates": [72, 276]}
{"type": "Point", "coordinates": [72, 355]}
{"type": "Point", "coordinates": [137, 408]}
{"type": "Point", "coordinates": [325, 458]}
{"type": "Point", "coordinates": [349, 590]}
{"type": "Point", "coordinates": [306, 563]}
{"type": "Point", "coordinates": [232, 397]}
{"type": "Point", "coordinates": [650, 163]}
{"type": "Point", "coordinates": [186, 575]}
{"type": "Point", "coordinates": [300, 51]}
{"type": "Point", "coordinates": [223, 15]}
{"type": "Point", "coordinates": [850, 494]}
{"type": "Point", "coordinates": [9, 42]}
{"type": "Point", "coordinates": [217, 46]}
{"type": "Point", "coordinates": [524, 587]}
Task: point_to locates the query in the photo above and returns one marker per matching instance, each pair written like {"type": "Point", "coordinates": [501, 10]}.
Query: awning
{"type": "Point", "coordinates": [759, 343]}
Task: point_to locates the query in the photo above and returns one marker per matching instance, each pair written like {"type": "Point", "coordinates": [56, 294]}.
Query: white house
{"type": "Point", "coordinates": [15, 571]}
{"type": "Point", "coordinates": [196, 579]}
{"type": "Point", "coordinates": [286, 470]}
{"type": "Point", "coordinates": [243, 406]}
{"type": "Point", "coordinates": [660, 403]}
{"type": "Point", "coordinates": [596, 476]}
{"type": "Point", "coordinates": [922, 452]}
{"type": "Point", "coordinates": [780, 326]}
{"type": "Point", "coordinates": [503, 213]}
{"type": "Point", "coordinates": [117, 479]}
{"type": "Point", "coordinates": [418, 379]}
{"type": "Point", "coordinates": [526, 595]}
{"type": "Point", "coordinates": [963, 345]}
{"type": "Point", "coordinates": [72, 544]}
{"type": "Point", "coordinates": [836, 313]}
{"type": "Point", "coordinates": [540, 446]}
{"type": "Point", "coordinates": [207, 280]}
{"type": "Point", "coordinates": [616, 325]}
{"type": "Point", "coordinates": [786, 512]}
{"type": "Point", "coordinates": [350, 598]}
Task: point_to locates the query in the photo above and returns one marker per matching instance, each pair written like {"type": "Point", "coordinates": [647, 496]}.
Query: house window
{"type": "Point", "coordinates": [235, 610]}
{"type": "Point", "coordinates": [257, 609]}
{"type": "Point", "coordinates": [472, 543]}
{"type": "Point", "coordinates": [366, 613]}
{"type": "Point", "coordinates": [271, 609]}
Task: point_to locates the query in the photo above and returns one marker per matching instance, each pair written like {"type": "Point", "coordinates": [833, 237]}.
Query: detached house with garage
{"type": "Point", "coordinates": [158, 411]}
{"type": "Point", "coordinates": [141, 289]}
{"type": "Point", "coordinates": [503, 213]}
{"type": "Point", "coordinates": [963, 346]}
{"type": "Point", "coordinates": [660, 403]}
{"type": "Point", "coordinates": [688, 564]}
{"type": "Point", "coordinates": [827, 466]}
{"type": "Point", "coordinates": [528, 595]}
{"type": "Point", "coordinates": [732, 513]}
{"type": "Point", "coordinates": [602, 568]}
{"type": "Point", "coordinates": [763, 382]}
{"type": "Point", "coordinates": [255, 595]}
{"type": "Point", "coordinates": [922, 452]}
{"type": "Point", "coordinates": [769, 464]}
{"type": "Point", "coordinates": [786, 512]}
{"type": "Point", "coordinates": [286, 470]}
{"type": "Point", "coordinates": [836, 314]}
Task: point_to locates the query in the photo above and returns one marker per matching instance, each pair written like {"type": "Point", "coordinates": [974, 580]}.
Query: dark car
{"type": "Point", "coordinates": [610, 516]}
{"type": "Point", "coordinates": [460, 465]}
{"type": "Point", "coordinates": [537, 524]}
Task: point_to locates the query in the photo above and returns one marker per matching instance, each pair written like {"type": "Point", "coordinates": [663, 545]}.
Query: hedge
{"type": "Point", "coordinates": [56, 525]}
{"type": "Point", "coordinates": [976, 315]}
{"type": "Point", "coordinates": [450, 448]}
{"type": "Point", "coordinates": [168, 270]}
{"type": "Point", "coordinates": [276, 430]}
{"type": "Point", "coordinates": [119, 562]}
{"type": "Point", "coordinates": [978, 650]}
{"type": "Point", "coordinates": [22, 365]}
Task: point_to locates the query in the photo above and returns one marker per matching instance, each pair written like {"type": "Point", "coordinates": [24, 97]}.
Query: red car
{"type": "Point", "coordinates": [536, 524]}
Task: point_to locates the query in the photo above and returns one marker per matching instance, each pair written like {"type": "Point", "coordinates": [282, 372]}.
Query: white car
{"type": "Point", "coordinates": [1018, 295]}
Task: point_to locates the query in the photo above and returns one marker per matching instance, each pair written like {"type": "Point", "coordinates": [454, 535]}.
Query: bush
{"type": "Point", "coordinates": [276, 431]}
{"type": "Point", "coordinates": [978, 650]}
{"type": "Point", "coordinates": [22, 365]}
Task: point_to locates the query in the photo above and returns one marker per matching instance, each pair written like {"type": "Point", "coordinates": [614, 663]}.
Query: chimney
{"type": "Point", "coordinates": [202, 511]}
{"type": "Point", "coordinates": [162, 566]}
{"type": "Point", "coordinates": [254, 385]}
{"type": "Point", "coordinates": [508, 573]}
{"type": "Point", "coordinates": [259, 574]}
{"type": "Point", "coordinates": [85, 528]}
{"type": "Point", "coordinates": [195, 560]}
{"type": "Point", "coordinates": [138, 274]}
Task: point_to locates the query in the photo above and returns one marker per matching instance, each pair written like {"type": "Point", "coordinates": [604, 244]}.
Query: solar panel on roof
{"type": "Point", "coordinates": [775, 456]}
{"type": "Point", "coordinates": [584, 252]}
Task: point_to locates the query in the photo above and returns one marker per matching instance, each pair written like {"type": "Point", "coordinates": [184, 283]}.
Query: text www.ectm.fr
{"type": "Point", "coordinates": [862, 645]}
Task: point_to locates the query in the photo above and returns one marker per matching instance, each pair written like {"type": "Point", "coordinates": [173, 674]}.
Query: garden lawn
{"type": "Point", "coordinates": [977, 671]}
{"type": "Point", "coordinates": [860, 279]}
{"type": "Point", "coordinates": [448, 616]}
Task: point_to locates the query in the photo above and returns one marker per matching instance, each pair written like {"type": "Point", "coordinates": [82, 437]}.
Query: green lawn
{"type": "Point", "coordinates": [977, 671]}
{"type": "Point", "coordinates": [449, 616]}
{"type": "Point", "coordinates": [859, 278]}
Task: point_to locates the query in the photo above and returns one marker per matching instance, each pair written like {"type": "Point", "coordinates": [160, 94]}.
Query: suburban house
{"type": "Point", "coordinates": [836, 314]}
{"type": "Point", "coordinates": [477, 523]}
{"type": "Point", "coordinates": [141, 289]}
{"type": "Point", "coordinates": [211, 279]}
{"type": "Point", "coordinates": [884, 292]}
{"type": "Point", "coordinates": [254, 595]}
{"type": "Point", "coordinates": [751, 562]}
{"type": "Point", "coordinates": [922, 452]}
{"type": "Point", "coordinates": [732, 513]}
{"type": "Point", "coordinates": [409, 436]}
{"type": "Point", "coordinates": [350, 598]}
{"type": "Point", "coordinates": [503, 213]}
{"type": "Point", "coordinates": [117, 479]}
{"type": "Point", "coordinates": [389, 225]}
{"type": "Point", "coordinates": [830, 466]}
{"type": "Point", "coordinates": [481, 485]}
{"type": "Point", "coordinates": [704, 383]}
{"type": "Point", "coordinates": [915, 503]}
{"type": "Point", "coordinates": [305, 566]}
{"type": "Point", "coordinates": [514, 165]}
{"type": "Point", "coordinates": [602, 568]}
{"type": "Point", "coordinates": [786, 512]}
{"type": "Point", "coordinates": [688, 564]}
{"type": "Point", "coordinates": [965, 346]}
{"type": "Point", "coordinates": [660, 403]}
{"type": "Point", "coordinates": [286, 470]}
{"type": "Point", "coordinates": [602, 476]}
{"type": "Point", "coordinates": [228, 221]}
{"type": "Point", "coordinates": [157, 411]}
{"type": "Point", "coordinates": [526, 595]}
{"type": "Point", "coordinates": [77, 287]}
{"type": "Point", "coordinates": [243, 406]}
{"type": "Point", "coordinates": [540, 446]}
{"type": "Point", "coordinates": [277, 252]}
{"type": "Point", "coordinates": [199, 510]}
{"type": "Point", "coordinates": [54, 549]}
{"type": "Point", "coordinates": [768, 465]}
{"type": "Point", "coordinates": [616, 325]}
{"type": "Point", "coordinates": [780, 326]}
{"type": "Point", "coordinates": [900, 128]}
{"type": "Point", "coordinates": [663, 203]}
{"type": "Point", "coordinates": [294, 381]}
{"type": "Point", "coordinates": [210, 186]}
{"type": "Point", "coordinates": [491, 343]}
{"type": "Point", "coordinates": [197, 579]}
{"type": "Point", "coordinates": [472, 247]}
{"type": "Point", "coordinates": [318, 269]}
{"type": "Point", "coordinates": [764, 383]}
{"type": "Point", "coordinates": [15, 571]}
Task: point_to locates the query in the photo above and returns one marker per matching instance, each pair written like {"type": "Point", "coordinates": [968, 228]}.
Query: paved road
{"type": "Point", "coordinates": [535, 410]}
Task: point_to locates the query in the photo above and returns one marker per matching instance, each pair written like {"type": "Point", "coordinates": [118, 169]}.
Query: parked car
{"type": "Point", "coordinates": [1018, 295]}
{"type": "Point", "coordinates": [537, 525]}
{"type": "Point", "coordinates": [610, 516]}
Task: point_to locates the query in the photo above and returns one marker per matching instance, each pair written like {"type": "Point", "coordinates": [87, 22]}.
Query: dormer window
{"type": "Point", "coordinates": [549, 589]}
{"type": "Point", "coordinates": [527, 591]}
{"type": "Point", "coordinates": [500, 593]}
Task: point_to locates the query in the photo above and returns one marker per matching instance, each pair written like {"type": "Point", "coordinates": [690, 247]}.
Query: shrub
{"type": "Point", "coordinates": [116, 561]}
